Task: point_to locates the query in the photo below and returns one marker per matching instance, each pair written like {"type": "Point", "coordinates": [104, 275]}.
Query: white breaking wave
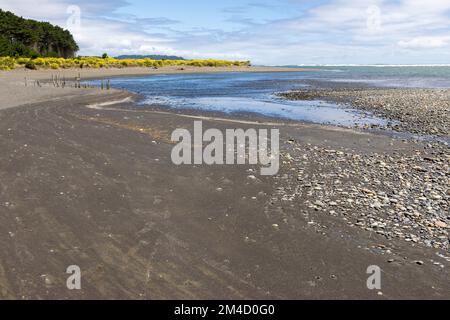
{"type": "Point", "coordinates": [372, 65]}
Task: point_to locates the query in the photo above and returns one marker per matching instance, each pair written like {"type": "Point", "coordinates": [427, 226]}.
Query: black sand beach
{"type": "Point", "coordinates": [97, 188]}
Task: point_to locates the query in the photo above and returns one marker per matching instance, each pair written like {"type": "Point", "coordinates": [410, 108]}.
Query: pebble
{"type": "Point", "coordinates": [396, 201]}
{"type": "Point", "coordinates": [440, 224]}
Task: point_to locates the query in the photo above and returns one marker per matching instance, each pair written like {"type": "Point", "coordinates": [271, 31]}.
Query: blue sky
{"type": "Point", "coordinates": [275, 32]}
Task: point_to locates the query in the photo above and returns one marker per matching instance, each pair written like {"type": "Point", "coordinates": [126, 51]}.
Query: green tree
{"type": "Point", "coordinates": [25, 37]}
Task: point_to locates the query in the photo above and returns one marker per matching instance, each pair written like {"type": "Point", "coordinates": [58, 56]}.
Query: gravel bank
{"type": "Point", "coordinates": [394, 194]}
{"type": "Point", "coordinates": [422, 111]}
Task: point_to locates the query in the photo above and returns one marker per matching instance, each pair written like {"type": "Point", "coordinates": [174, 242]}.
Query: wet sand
{"type": "Point", "coordinates": [97, 188]}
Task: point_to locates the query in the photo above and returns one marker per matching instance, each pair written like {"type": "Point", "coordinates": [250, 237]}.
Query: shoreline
{"type": "Point", "coordinates": [93, 73]}
{"type": "Point", "coordinates": [14, 92]}
{"type": "Point", "coordinates": [96, 187]}
{"type": "Point", "coordinates": [411, 110]}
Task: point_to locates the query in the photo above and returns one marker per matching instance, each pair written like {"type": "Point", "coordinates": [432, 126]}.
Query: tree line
{"type": "Point", "coordinates": [21, 37]}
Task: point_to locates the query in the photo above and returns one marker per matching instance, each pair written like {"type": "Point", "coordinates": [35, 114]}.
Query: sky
{"type": "Point", "coordinates": [275, 32]}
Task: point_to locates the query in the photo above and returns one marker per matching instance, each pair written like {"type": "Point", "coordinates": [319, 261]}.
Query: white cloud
{"type": "Point", "coordinates": [424, 43]}
{"type": "Point", "coordinates": [103, 35]}
{"type": "Point", "coordinates": [339, 31]}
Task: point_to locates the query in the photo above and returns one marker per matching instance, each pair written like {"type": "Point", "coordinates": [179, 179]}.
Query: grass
{"type": "Point", "coordinates": [9, 63]}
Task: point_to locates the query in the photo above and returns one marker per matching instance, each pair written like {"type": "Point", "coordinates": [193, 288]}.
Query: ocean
{"type": "Point", "coordinates": [403, 76]}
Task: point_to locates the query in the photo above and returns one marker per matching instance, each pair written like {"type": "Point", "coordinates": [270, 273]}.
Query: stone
{"type": "Point", "coordinates": [440, 224]}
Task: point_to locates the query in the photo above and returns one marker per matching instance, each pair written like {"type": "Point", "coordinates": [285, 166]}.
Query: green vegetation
{"type": "Point", "coordinates": [21, 37]}
{"type": "Point", "coordinates": [8, 63]}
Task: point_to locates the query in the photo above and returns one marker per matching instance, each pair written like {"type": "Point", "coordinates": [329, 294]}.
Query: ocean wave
{"type": "Point", "coordinates": [372, 65]}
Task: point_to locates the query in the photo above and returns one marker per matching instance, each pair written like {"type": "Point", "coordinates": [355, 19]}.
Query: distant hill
{"type": "Point", "coordinates": [30, 38]}
{"type": "Point", "coordinates": [154, 57]}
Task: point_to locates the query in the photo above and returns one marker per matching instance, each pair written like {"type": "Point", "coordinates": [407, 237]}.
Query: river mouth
{"type": "Point", "coordinates": [234, 93]}
{"type": "Point", "coordinates": [313, 111]}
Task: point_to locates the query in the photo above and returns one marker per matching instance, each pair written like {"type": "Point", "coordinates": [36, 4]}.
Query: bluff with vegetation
{"type": "Point", "coordinates": [30, 38]}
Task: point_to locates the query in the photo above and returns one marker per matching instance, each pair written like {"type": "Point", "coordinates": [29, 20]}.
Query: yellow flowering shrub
{"type": "Point", "coordinates": [9, 63]}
